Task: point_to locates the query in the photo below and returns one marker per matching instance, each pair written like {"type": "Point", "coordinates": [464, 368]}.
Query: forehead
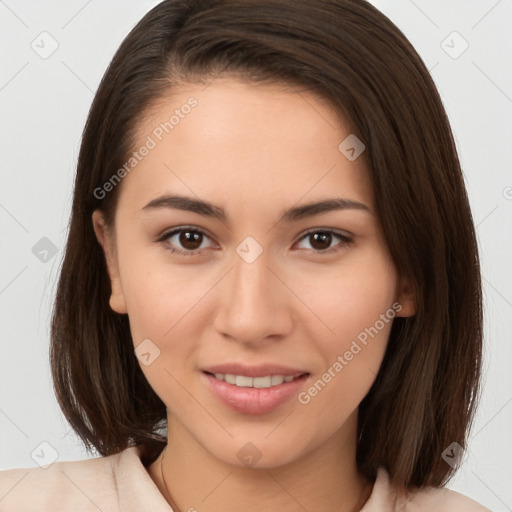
{"type": "Point", "coordinates": [228, 138]}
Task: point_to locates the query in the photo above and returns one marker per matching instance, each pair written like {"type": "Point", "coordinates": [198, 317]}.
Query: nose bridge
{"type": "Point", "coordinates": [251, 305]}
{"type": "Point", "coordinates": [250, 280]}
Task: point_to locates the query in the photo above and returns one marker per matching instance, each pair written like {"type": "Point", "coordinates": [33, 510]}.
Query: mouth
{"type": "Point", "coordinates": [254, 394]}
{"type": "Point", "coordinates": [244, 381]}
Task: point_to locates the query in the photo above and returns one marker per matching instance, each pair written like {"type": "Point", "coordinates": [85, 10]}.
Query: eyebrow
{"type": "Point", "coordinates": [293, 214]}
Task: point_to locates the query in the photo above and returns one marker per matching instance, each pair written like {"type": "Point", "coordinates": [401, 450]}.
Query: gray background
{"type": "Point", "coordinates": [44, 101]}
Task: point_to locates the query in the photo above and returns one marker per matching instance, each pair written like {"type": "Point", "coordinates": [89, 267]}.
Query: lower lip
{"type": "Point", "coordinates": [254, 400]}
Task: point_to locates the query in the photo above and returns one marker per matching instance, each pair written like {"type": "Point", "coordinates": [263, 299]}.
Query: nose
{"type": "Point", "coordinates": [254, 305]}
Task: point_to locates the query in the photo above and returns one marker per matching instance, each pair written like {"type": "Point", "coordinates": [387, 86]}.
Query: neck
{"type": "Point", "coordinates": [325, 479]}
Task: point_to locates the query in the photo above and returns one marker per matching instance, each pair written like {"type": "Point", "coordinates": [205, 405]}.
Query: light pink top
{"type": "Point", "coordinates": [120, 483]}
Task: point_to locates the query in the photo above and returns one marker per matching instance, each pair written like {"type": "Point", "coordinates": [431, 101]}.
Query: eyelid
{"type": "Point", "coordinates": [342, 234]}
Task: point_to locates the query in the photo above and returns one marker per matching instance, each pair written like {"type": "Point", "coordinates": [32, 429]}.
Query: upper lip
{"type": "Point", "coordinates": [260, 370]}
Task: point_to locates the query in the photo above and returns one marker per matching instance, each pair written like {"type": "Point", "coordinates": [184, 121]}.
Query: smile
{"type": "Point", "coordinates": [254, 395]}
{"type": "Point", "coordinates": [244, 381]}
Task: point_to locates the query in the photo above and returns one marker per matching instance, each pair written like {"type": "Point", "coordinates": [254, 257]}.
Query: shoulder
{"type": "Point", "coordinates": [427, 499]}
{"type": "Point", "coordinates": [441, 500]}
{"type": "Point", "coordinates": [67, 485]}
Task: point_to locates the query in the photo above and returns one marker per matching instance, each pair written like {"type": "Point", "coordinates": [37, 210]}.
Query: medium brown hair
{"type": "Point", "coordinates": [426, 391]}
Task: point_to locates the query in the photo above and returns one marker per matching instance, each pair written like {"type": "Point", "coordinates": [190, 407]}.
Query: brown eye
{"type": "Point", "coordinates": [190, 240]}
{"type": "Point", "coordinates": [322, 240]}
{"type": "Point", "coordinates": [185, 241]}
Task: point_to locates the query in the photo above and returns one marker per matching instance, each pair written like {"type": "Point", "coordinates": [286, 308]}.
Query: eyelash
{"type": "Point", "coordinates": [343, 238]}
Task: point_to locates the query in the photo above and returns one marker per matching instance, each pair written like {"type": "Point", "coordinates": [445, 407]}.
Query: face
{"type": "Point", "coordinates": [253, 286]}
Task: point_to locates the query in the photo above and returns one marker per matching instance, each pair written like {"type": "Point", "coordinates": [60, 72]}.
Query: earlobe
{"type": "Point", "coordinates": [406, 297]}
{"type": "Point", "coordinates": [107, 242]}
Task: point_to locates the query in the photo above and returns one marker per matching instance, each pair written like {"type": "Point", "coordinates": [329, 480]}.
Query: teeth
{"type": "Point", "coordinates": [229, 378]}
{"type": "Point", "coordinates": [277, 379]}
{"type": "Point", "coordinates": [243, 382]}
{"type": "Point", "coordinates": [254, 382]}
{"type": "Point", "coordinates": [264, 382]}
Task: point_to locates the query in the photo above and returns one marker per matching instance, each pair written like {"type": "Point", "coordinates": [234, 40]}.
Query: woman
{"type": "Point", "coordinates": [271, 253]}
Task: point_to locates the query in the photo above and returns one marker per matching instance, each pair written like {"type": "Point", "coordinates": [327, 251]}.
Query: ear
{"type": "Point", "coordinates": [406, 297]}
{"type": "Point", "coordinates": [107, 242]}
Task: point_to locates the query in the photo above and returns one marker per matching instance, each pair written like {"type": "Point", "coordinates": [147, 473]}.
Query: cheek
{"type": "Point", "coordinates": [159, 296]}
{"type": "Point", "coordinates": [159, 304]}
{"type": "Point", "coordinates": [348, 299]}
{"type": "Point", "coordinates": [353, 318]}
{"type": "Point", "coordinates": [163, 306]}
